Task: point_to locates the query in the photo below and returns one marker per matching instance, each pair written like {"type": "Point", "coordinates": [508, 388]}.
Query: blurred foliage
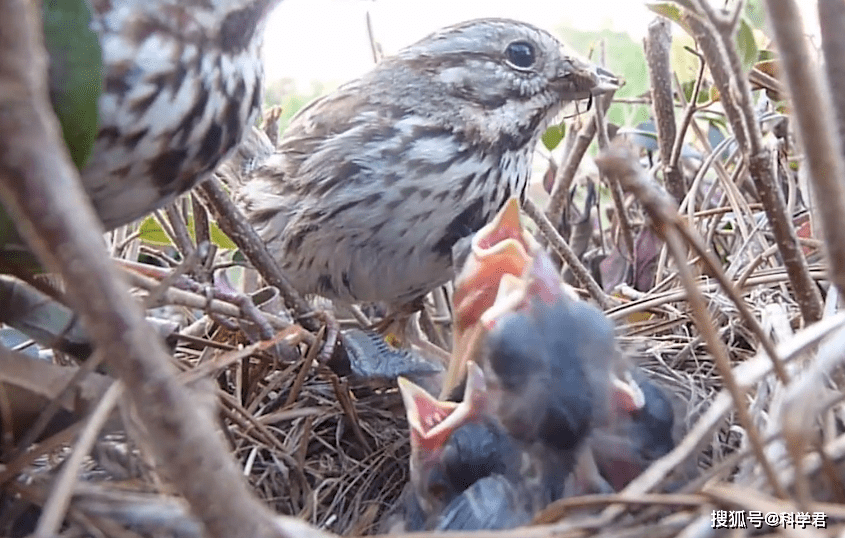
{"type": "Point", "coordinates": [755, 14]}
{"type": "Point", "coordinates": [75, 85]}
{"type": "Point", "coordinates": [15, 257]}
{"type": "Point", "coordinates": [684, 63]}
{"type": "Point", "coordinates": [750, 24]}
{"type": "Point", "coordinates": [76, 73]}
{"type": "Point", "coordinates": [746, 44]}
{"type": "Point", "coordinates": [284, 93]}
{"type": "Point", "coordinates": [624, 57]}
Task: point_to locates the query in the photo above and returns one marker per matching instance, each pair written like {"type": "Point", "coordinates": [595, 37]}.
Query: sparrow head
{"type": "Point", "coordinates": [432, 423]}
{"type": "Point", "coordinates": [502, 247]}
{"type": "Point", "coordinates": [638, 430]}
{"type": "Point", "coordinates": [538, 350]}
{"type": "Point", "coordinates": [494, 66]}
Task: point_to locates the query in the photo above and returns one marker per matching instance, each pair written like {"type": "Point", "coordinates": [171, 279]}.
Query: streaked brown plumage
{"type": "Point", "coordinates": [372, 185]}
{"type": "Point", "coordinates": [182, 82]}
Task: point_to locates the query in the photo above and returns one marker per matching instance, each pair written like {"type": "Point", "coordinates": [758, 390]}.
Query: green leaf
{"type": "Point", "coordinates": [15, 257]}
{"type": "Point", "coordinates": [8, 232]}
{"type": "Point", "coordinates": [685, 64]}
{"type": "Point", "coordinates": [672, 11]}
{"type": "Point", "coordinates": [765, 55]}
{"type": "Point", "coordinates": [703, 93]}
{"type": "Point", "coordinates": [152, 233]}
{"type": "Point", "coordinates": [553, 136]}
{"type": "Point", "coordinates": [219, 238]}
{"type": "Point", "coordinates": [76, 73]}
{"type": "Point", "coordinates": [755, 14]}
{"type": "Point", "coordinates": [746, 44]}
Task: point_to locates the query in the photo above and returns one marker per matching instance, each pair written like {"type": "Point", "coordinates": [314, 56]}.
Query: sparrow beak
{"type": "Point", "coordinates": [505, 225]}
{"type": "Point", "coordinates": [432, 421]}
{"type": "Point", "coordinates": [428, 418]}
{"type": "Point", "coordinates": [606, 81]}
{"type": "Point", "coordinates": [511, 297]}
{"type": "Point", "coordinates": [540, 280]}
{"type": "Point", "coordinates": [580, 78]}
{"type": "Point", "coordinates": [544, 281]}
{"type": "Point", "coordinates": [502, 246]}
{"type": "Point", "coordinates": [497, 265]}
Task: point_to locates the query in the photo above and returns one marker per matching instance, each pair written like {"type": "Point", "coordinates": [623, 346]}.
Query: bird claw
{"type": "Point", "coordinates": [366, 356]}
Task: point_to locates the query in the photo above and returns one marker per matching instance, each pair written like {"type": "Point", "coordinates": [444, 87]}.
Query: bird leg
{"type": "Point", "coordinates": [401, 328]}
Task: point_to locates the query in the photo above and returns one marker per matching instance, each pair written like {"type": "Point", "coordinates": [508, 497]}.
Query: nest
{"type": "Point", "coordinates": [335, 453]}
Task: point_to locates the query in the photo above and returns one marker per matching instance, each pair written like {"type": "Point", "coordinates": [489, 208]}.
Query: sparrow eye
{"type": "Point", "coordinates": [520, 54]}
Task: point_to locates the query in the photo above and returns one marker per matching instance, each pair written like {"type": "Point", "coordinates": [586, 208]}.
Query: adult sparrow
{"type": "Point", "coordinates": [371, 186]}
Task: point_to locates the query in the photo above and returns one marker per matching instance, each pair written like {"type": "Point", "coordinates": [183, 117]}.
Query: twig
{"type": "Point", "coordinates": [44, 418]}
{"type": "Point", "coordinates": [202, 228]}
{"type": "Point", "coordinates": [307, 363]}
{"type": "Point", "coordinates": [222, 304]}
{"type": "Point", "coordinates": [657, 48]}
{"type": "Point", "coordinates": [651, 198]}
{"type": "Point", "coordinates": [689, 110]}
{"type": "Point", "coordinates": [202, 233]}
{"type": "Point", "coordinates": [566, 172]}
{"type": "Point", "coordinates": [233, 223]}
{"type": "Point", "coordinates": [613, 183]}
{"type": "Point", "coordinates": [566, 253]}
{"type": "Point", "coordinates": [53, 443]}
{"type": "Point", "coordinates": [165, 226]}
{"type": "Point", "coordinates": [181, 237]}
{"type": "Point", "coordinates": [749, 499]}
{"type": "Point", "coordinates": [668, 224]}
{"type": "Point", "coordinates": [176, 274]}
{"type": "Point", "coordinates": [374, 47]}
{"type": "Point", "coordinates": [59, 498]}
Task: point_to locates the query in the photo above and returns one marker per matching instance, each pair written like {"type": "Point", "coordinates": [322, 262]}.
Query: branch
{"type": "Point", "coordinates": [666, 221]}
{"type": "Point", "coordinates": [234, 224]}
{"type": "Point", "coordinates": [658, 44]}
{"type": "Point", "coordinates": [565, 252]}
{"type": "Point", "coordinates": [812, 112]}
